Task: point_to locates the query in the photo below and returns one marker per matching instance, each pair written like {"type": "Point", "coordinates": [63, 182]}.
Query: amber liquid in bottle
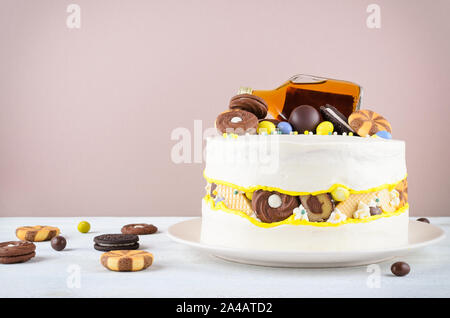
{"type": "Point", "coordinates": [310, 90]}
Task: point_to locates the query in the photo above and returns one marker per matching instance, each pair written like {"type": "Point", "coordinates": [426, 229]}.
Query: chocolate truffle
{"type": "Point", "coordinates": [58, 243]}
{"type": "Point", "coordinates": [400, 269]}
{"type": "Point", "coordinates": [304, 117]}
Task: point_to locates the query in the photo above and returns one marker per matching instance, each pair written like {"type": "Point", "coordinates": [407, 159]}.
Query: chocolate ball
{"type": "Point", "coordinates": [424, 220]}
{"type": "Point", "coordinates": [304, 117]}
{"type": "Point", "coordinates": [400, 269]}
{"type": "Point", "coordinates": [58, 243]}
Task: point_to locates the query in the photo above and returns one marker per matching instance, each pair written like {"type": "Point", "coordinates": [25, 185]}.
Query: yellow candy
{"type": "Point", "coordinates": [324, 128]}
{"type": "Point", "coordinates": [249, 195]}
{"type": "Point", "coordinates": [340, 194]}
{"type": "Point", "coordinates": [266, 126]}
{"type": "Point", "coordinates": [306, 132]}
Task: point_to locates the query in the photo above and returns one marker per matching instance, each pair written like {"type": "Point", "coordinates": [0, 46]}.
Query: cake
{"type": "Point", "coordinates": [339, 185]}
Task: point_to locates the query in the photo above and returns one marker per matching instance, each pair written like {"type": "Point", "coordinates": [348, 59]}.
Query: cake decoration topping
{"type": "Point", "coordinates": [351, 204]}
{"type": "Point", "coordinates": [339, 121]}
{"type": "Point", "coordinates": [384, 134]}
{"type": "Point", "coordinates": [300, 213]}
{"type": "Point", "coordinates": [268, 214]}
{"type": "Point", "coordinates": [367, 123]}
{"type": "Point", "coordinates": [233, 199]}
{"type": "Point", "coordinates": [402, 189]}
{"type": "Point", "coordinates": [340, 194]}
{"type": "Point", "coordinates": [337, 216]}
{"type": "Point", "coordinates": [266, 126]}
{"type": "Point", "coordinates": [274, 201]}
{"type": "Point", "coordinates": [325, 128]}
{"type": "Point", "coordinates": [251, 103]}
{"type": "Point", "coordinates": [318, 207]}
{"type": "Point", "coordinates": [304, 117]}
{"type": "Point", "coordinates": [285, 127]}
{"type": "Point", "coordinates": [227, 122]}
{"type": "Point", "coordinates": [362, 212]}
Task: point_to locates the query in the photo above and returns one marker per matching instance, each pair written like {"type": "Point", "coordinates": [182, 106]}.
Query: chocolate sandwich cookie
{"type": "Point", "coordinates": [126, 261]}
{"type": "Point", "coordinates": [251, 103]}
{"type": "Point", "coordinates": [112, 242]}
{"type": "Point", "coordinates": [237, 122]}
{"type": "Point", "coordinates": [139, 229]}
{"type": "Point", "coordinates": [16, 252]}
{"type": "Point", "coordinates": [36, 233]}
{"type": "Point", "coordinates": [339, 121]}
{"type": "Point", "coordinates": [272, 206]}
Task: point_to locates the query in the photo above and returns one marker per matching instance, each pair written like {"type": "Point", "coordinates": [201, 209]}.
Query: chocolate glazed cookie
{"type": "Point", "coordinates": [237, 122]}
{"type": "Point", "coordinates": [272, 206]}
{"type": "Point", "coordinates": [251, 103]}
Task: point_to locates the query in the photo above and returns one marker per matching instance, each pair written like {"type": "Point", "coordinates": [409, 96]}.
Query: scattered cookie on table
{"type": "Point", "coordinates": [16, 252]}
{"type": "Point", "coordinates": [110, 242]}
{"type": "Point", "coordinates": [126, 261]}
{"type": "Point", "coordinates": [139, 229]}
{"type": "Point", "coordinates": [37, 233]}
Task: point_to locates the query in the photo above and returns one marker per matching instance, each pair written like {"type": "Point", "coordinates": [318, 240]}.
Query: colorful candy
{"type": "Point", "coordinates": [325, 128]}
{"type": "Point", "coordinates": [285, 128]}
{"type": "Point", "coordinates": [384, 134]}
{"type": "Point", "coordinates": [265, 127]}
{"type": "Point", "coordinates": [84, 227]}
{"type": "Point", "coordinates": [340, 194]}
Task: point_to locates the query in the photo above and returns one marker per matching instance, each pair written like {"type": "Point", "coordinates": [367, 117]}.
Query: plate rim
{"type": "Point", "coordinates": [203, 246]}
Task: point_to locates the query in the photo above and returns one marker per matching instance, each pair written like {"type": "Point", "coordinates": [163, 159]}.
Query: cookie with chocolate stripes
{"type": "Point", "coordinates": [367, 123]}
{"type": "Point", "coordinates": [37, 233]}
{"type": "Point", "coordinates": [126, 261]}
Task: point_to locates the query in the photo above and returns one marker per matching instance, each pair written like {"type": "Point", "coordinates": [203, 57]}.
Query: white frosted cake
{"type": "Point", "coordinates": [342, 187]}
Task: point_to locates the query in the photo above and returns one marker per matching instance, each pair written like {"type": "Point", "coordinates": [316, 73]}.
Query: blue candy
{"type": "Point", "coordinates": [384, 134]}
{"type": "Point", "coordinates": [285, 127]}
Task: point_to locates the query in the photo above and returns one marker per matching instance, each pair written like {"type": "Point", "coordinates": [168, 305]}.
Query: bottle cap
{"type": "Point", "coordinates": [245, 90]}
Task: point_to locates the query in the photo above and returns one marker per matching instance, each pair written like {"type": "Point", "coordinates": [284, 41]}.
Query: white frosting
{"type": "Point", "coordinates": [362, 212]}
{"type": "Point", "coordinates": [229, 230]}
{"type": "Point", "coordinates": [274, 201]}
{"type": "Point", "coordinates": [337, 217]}
{"type": "Point", "coordinates": [305, 163]}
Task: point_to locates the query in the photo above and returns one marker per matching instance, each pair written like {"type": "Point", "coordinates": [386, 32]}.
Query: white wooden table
{"type": "Point", "coordinates": [179, 271]}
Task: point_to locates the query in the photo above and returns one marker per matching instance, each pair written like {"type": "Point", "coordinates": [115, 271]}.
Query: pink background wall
{"type": "Point", "coordinates": [86, 114]}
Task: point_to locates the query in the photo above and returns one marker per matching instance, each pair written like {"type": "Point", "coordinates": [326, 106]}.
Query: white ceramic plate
{"type": "Point", "coordinates": [420, 235]}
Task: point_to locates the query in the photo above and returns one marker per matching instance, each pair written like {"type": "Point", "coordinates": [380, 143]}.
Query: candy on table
{"type": "Point", "coordinates": [84, 226]}
{"type": "Point", "coordinates": [58, 243]}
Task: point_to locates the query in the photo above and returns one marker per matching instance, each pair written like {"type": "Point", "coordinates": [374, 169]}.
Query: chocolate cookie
{"type": "Point", "coordinates": [272, 206]}
{"type": "Point", "coordinates": [139, 229]}
{"type": "Point", "coordinates": [237, 122]}
{"type": "Point", "coordinates": [110, 242]}
{"type": "Point", "coordinates": [36, 233]}
{"type": "Point", "coordinates": [126, 261]}
{"type": "Point", "coordinates": [367, 123]}
{"type": "Point", "coordinates": [318, 207]}
{"type": "Point", "coordinates": [16, 252]}
{"type": "Point", "coordinates": [339, 121]}
{"type": "Point", "coordinates": [251, 103]}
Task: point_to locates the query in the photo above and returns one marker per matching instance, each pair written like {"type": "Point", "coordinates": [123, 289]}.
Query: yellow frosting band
{"type": "Point", "coordinates": [389, 186]}
{"type": "Point", "coordinates": [292, 221]}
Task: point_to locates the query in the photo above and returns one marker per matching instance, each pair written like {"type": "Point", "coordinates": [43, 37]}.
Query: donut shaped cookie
{"type": "Point", "coordinates": [367, 123]}
{"type": "Point", "coordinates": [139, 229]}
{"type": "Point", "coordinates": [251, 103]}
{"type": "Point", "coordinates": [126, 261]}
{"type": "Point", "coordinates": [37, 233]}
{"type": "Point", "coordinates": [272, 206]}
{"type": "Point", "coordinates": [237, 122]}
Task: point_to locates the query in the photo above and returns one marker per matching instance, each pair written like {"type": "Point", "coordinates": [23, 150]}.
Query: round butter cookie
{"type": "Point", "coordinates": [37, 233]}
{"type": "Point", "coordinates": [126, 260]}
